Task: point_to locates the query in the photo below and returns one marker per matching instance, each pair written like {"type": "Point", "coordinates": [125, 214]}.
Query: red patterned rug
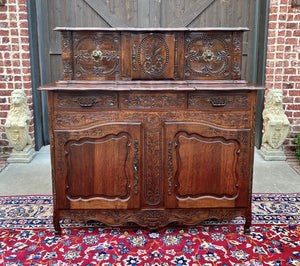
{"type": "Point", "coordinates": [27, 238]}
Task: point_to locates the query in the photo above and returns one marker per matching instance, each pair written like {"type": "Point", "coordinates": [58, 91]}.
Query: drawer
{"type": "Point", "coordinates": [85, 100]}
{"type": "Point", "coordinates": [212, 55]}
{"type": "Point", "coordinates": [219, 101]}
{"type": "Point", "coordinates": [96, 56]}
{"type": "Point", "coordinates": [153, 101]}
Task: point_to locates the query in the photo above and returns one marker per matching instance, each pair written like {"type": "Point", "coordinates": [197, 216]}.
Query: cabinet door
{"type": "Point", "coordinates": [207, 166]}
{"type": "Point", "coordinates": [98, 167]}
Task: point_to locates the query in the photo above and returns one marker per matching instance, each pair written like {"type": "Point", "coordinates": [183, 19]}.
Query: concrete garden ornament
{"type": "Point", "coordinates": [276, 127]}
{"type": "Point", "coordinates": [17, 128]}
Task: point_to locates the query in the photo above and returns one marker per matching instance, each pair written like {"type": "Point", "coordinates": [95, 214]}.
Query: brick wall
{"type": "Point", "coordinates": [283, 61]}
{"type": "Point", "coordinates": [14, 62]}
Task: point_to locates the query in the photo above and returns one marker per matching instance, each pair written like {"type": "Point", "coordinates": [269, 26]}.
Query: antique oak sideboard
{"type": "Point", "coordinates": [152, 126]}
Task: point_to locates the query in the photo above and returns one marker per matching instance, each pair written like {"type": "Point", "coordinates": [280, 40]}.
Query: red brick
{"type": "Point", "coordinates": [273, 9]}
{"type": "Point", "coordinates": [273, 17]}
{"type": "Point", "coordinates": [16, 63]}
{"type": "Point", "coordinates": [24, 24]}
{"type": "Point", "coordinates": [12, 17]}
{"type": "Point", "coordinates": [288, 33]}
{"type": "Point", "coordinates": [271, 33]}
{"type": "Point", "coordinates": [26, 63]}
{"type": "Point", "coordinates": [272, 25]}
{"type": "Point", "coordinates": [25, 56]}
{"type": "Point", "coordinates": [292, 25]}
{"type": "Point", "coordinates": [23, 16]}
{"type": "Point", "coordinates": [290, 71]}
{"type": "Point", "coordinates": [24, 32]}
{"type": "Point", "coordinates": [4, 33]}
{"type": "Point", "coordinates": [25, 47]}
{"type": "Point", "coordinates": [12, 8]}
{"type": "Point", "coordinates": [279, 55]}
{"type": "Point", "coordinates": [283, 9]}
{"type": "Point", "coordinates": [13, 25]}
{"type": "Point", "coordinates": [22, 8]}
{"type": "Point", "coordinates": [3, 17]}
{"type": "Point", "coordinates": [291, 41]}
{"type": "Point", "coordinates": [281, 17]}
{"type": "Point", "coordinates": [294, 93]}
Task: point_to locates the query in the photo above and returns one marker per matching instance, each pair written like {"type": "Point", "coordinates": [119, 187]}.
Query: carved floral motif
{"type": "Point", "coordinates": [153, 55]}
{"type": "Point", "coordinates": [96, 55]}
{"type": "Point", "coordinates": [153, 167]}
{"type": "Point", "coordinates": [207, 55]}
{"type": "Point", "coordinates": [152, 101]}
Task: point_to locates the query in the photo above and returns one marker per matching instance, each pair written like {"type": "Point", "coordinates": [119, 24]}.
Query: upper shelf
{"type": "Point", "coordinates": [152, 53]}
{"type": "Point", "coordinates": [150, 29]}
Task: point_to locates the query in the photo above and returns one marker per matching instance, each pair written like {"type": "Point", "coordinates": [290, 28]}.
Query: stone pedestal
{"type": "Point", "coordinates": [23, 156]}
{"type": "Point", "coordinates": [270, 154]}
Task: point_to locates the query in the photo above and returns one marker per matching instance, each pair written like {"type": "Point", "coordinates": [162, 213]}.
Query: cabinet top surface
{"type": "Point", "coordinates": [150, 29]}
{"type": "Point", "coordinates": [151, 85]}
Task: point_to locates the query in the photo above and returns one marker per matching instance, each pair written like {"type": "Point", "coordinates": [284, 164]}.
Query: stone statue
{"type": "Point", "coordinates": [17, 128]}
{"type": "Point", "coordinates": [276, 127]}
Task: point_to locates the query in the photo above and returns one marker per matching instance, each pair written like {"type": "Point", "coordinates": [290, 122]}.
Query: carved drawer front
{"type": "Point", "coordinates": [213, 55]}
{"type": "Point", "coordinates": [156, 101]}
{"type": "Point", "coordinates": [96, 56]}
{"type": "Point", "coordinates": [152, 56]}
{"type": "Point", "coordinates": [219, 101]}
{"type": "Point", "coordinates": [86, 100]}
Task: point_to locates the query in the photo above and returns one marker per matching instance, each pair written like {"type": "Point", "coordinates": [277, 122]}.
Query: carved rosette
{"type": "Point", "coordinates": [153, 55]}
{"type": "Point", "coordinates": [207, 55]}
{"type": "Point", "coordinates": [96, 55]}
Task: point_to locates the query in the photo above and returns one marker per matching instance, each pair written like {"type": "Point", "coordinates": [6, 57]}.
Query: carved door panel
{"type": "Point", "coordinates": [206, 166]}
{"type": "Point", "coordinates": [98, 167]}
{"type": "Point", "coordinates": [151, 56]}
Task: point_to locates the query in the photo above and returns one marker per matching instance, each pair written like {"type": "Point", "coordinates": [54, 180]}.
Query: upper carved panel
{"type": "Point", "coordinates": [144, 54]}
{"type": "Point", "coordinates": [96, 55]}
{"type": "Point", "coordinates": [208, 56]}
{"type": "Point", "coordinates": [153, 55]}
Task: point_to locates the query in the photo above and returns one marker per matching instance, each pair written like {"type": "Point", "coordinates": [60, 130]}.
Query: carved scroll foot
{"type": "Point", "coordinates": [57, 227]}
{"type": "Point", "coordinates": [248, 217]}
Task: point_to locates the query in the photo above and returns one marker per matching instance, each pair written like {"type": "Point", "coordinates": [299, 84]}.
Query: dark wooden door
{"type": "Point", "coordinates": [148, 13]}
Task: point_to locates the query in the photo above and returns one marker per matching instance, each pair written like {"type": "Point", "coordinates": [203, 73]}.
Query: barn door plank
{"type": "Point", "coordinates": [149, 13]}
{"type": "Point", "coordinates": [190, 14]}
{"type": "Point", "coordinates": [101, 8]}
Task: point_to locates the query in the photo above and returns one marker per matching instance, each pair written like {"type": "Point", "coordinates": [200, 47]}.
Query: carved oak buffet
{"type": "Point", "coordinates": [151, 126]}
